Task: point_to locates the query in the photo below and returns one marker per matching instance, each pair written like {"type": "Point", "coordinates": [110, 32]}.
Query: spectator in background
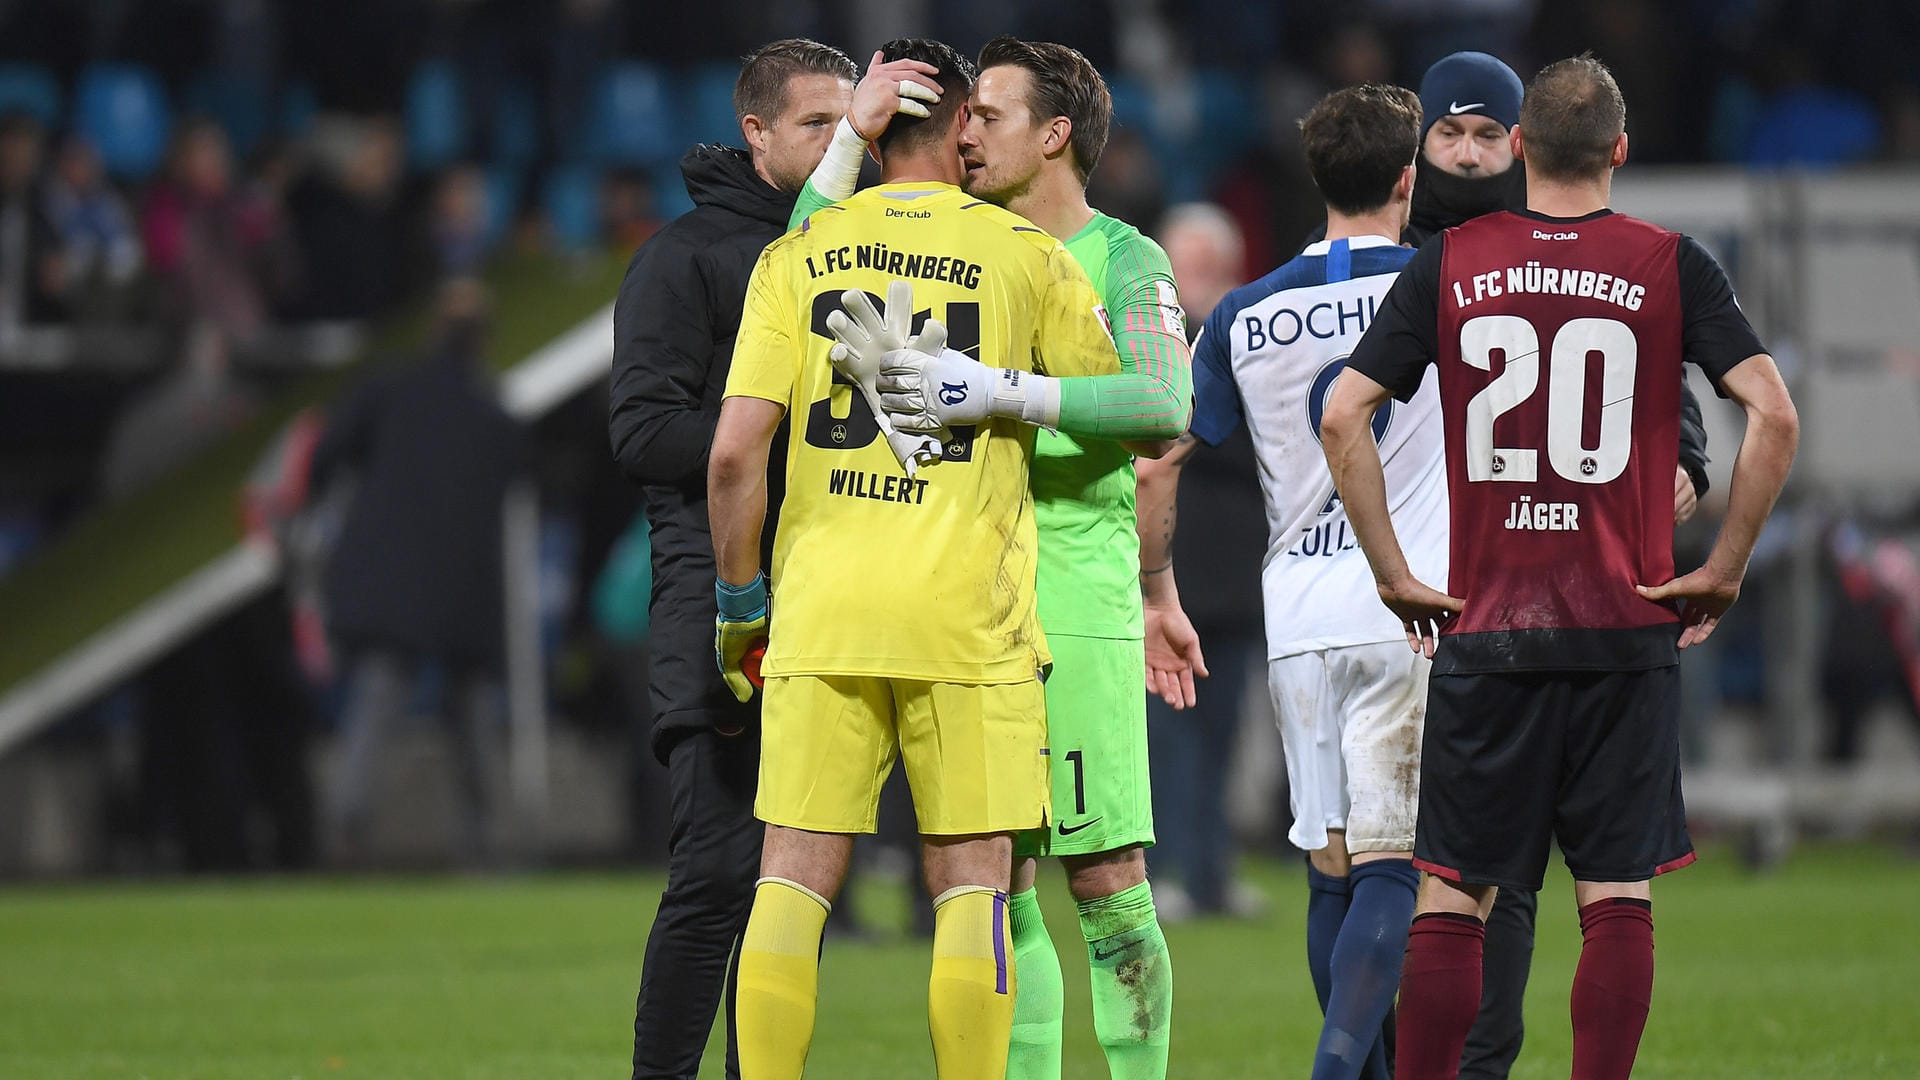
{"type": "Point", "coordinates": [32, 272]}
{"type": "Point", "coordinates": [1129, 185]}
{"type": "Point", "coordinates": [1192, 751]}
{"type": "Point", "coordinates": [209, 244]}
{"type": "Point", "coordinates": [1267, 190]}
{"type": "Point", "coordinates": [96, 232]}
{"type": "Point", "coordinates": [348, 217]}
{"type": "Point", "coordinates": [417, 578]}
{"type": "Point", "coordinates": [629, 215]}
{"type": "Point", "coordinates": [459, 232]}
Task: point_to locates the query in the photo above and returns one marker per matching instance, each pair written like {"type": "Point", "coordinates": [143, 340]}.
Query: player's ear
{"type": "Point", "coordinates": [757, 132]}
{"type": "Point", "coordinates": [1059, 135]}
{"type": "Point", "coordinates": [1403, 188]}
{"type": "Point", "coordinates": [1620, 150]}
{"type": "Point", "coordinates": [1517, 144]}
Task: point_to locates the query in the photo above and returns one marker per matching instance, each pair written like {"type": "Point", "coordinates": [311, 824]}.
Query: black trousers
{"type": "Point", "coordinates": [712, 864]}
{"type": "Point", "coordinates": [1494, 1042]}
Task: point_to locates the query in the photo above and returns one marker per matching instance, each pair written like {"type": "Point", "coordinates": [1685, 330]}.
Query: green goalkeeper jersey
{"type": "Point", "coordinates": [1083, 490]}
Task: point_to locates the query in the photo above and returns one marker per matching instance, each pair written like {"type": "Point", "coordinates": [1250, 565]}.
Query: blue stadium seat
{"type": "Point", "coordinates": [709, 113]}
{"type": "Point", "coordinates": [31, 89]}
{"type": "Point", "coordinates": [243, 107]}
{"type": "Point", "coordinates": [1132, 103]}
{"type": "Point", "coordinates": [503, 200]}
{"type": "Point", "coordinates": [298, 105]}
{"type": "Point", "coordinates": [516, 126]}
{"type": "Point", "coordinates": [633, 118]}
{"type": "Point", "coordinates": [572, 204]}
{"type": "Point", "coordinates": [670, 197]}
{"type": "Point", "coordinates": [436, 116]}
{"type": "Point", "coordinates": [122, 109]}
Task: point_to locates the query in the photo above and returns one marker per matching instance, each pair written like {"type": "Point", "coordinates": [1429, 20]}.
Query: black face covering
{"type": "Point", "coordinates": [1442, 200]}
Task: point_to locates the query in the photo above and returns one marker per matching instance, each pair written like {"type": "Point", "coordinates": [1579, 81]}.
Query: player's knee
{"type": "Point", "coordinates": [1090, 877]}
{"type": "Point", "coordinates": [1332, 860]}
{"type": "Point", "coordinates": [1439, 894]}
{"type": "Point", "coordinates": [952, 861]}
{"type": "Point", "coordinates": [817, 861]}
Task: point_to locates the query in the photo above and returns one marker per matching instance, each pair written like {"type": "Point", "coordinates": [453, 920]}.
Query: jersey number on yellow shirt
{"type": "Point", "coordinates": [858, 428]}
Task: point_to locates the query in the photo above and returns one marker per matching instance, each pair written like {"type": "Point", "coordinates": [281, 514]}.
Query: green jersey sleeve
{"type": "Point", "coordinates": [1152, 397]}
{"type": "Point", "coordinates": [811, 202]}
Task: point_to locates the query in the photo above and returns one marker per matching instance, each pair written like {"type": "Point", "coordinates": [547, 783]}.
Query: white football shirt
{"type": "Point", "coordinates": [1268, 356]}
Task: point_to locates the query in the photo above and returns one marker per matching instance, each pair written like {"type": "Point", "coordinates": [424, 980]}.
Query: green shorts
{"type": "Point", "coordinates": [1097, 749]}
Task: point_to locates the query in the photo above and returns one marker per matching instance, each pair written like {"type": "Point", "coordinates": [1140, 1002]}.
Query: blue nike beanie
{"type": "Point", "coordinates": [1470, 82]}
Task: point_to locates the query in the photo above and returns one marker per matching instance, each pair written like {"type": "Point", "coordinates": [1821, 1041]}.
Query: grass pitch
{"type": "Point", "coordinates": [1813, 971]}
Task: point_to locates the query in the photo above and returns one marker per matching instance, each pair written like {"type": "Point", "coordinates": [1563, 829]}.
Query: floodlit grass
{"type": "Point", "coordinates": [1813, 971]}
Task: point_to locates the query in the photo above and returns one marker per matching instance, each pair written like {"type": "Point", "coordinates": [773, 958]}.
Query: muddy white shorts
{"type": "Point", "coordinates": [1351, 721]}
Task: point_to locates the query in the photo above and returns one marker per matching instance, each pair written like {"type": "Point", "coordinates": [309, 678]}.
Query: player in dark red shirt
{"type": "Point", "coordinates": [1553, 706]}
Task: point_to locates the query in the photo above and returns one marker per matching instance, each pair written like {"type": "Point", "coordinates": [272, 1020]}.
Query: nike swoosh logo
{"type": "Point", "coordinates": [1454, 108]}
{"type": "Point", "coordinates": [1108, 954]}
{"type": "Point", "coordinates": [1065, 831]}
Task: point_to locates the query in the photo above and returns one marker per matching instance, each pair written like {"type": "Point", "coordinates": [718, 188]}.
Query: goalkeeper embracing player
{"type": "Point", "coordinates": [1039, 116]}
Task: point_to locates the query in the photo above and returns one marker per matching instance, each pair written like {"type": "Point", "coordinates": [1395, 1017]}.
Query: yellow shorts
{"type": "Point", "coordinates": [975, 755]}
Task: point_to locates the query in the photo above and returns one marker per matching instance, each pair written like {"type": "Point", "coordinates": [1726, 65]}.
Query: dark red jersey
{"type": "Point", "coordinates": [1559, 344]}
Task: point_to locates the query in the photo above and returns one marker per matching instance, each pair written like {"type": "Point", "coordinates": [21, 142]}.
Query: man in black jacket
{"type": "Point", "coordinates": [674, 325]}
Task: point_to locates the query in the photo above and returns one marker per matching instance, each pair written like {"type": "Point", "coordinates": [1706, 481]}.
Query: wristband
{"type": "Point", "coordinates": [839, 172]}
{"type": "Point", "coordinates": [741, 603]}
{"type": "Point", "coordinates": [1033, 398]}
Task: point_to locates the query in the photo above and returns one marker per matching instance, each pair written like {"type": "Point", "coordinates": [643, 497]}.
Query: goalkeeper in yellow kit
{"type": "Point", "coordinates": [907, 621]}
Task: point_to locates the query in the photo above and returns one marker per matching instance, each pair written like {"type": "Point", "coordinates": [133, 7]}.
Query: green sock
{"type": "Point", "coordinates": [1132, 982]}
{"type": "Point", "coordinates": [1041, 1000]}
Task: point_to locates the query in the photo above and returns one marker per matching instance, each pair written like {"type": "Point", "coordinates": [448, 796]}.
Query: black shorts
{"type": "Point", "coordinates": [1512, 762]}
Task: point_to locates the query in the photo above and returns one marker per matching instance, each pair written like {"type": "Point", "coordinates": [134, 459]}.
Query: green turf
{"type": "Point", "coordinates": [1810, 972]}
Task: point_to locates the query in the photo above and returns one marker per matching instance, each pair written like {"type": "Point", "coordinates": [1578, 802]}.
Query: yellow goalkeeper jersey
{"type": "Point", "coordinates": [874, 574]}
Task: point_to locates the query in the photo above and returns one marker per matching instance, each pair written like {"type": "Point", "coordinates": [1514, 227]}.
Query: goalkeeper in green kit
{"type": "Point", "coordinates": [1039, 119]}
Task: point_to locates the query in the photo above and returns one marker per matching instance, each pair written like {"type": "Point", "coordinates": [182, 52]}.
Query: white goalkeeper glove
{"type": "Point", "coordinates": [924, 390]}
{"type": "Point", "coordinates": [863, 337]}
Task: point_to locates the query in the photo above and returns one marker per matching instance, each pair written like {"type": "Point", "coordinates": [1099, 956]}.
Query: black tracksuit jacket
{"type": "Point", "coordinates": [673, 330]}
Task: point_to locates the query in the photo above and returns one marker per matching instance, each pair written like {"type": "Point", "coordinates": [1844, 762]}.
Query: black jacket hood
{"type": "Point", "coordinates": [723, 176]}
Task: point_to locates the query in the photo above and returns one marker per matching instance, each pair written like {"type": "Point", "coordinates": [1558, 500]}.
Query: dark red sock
{"type": "Point", "coordinates": [1439, 995]}
{"type": "Point", "coordinates": [1612, 988]}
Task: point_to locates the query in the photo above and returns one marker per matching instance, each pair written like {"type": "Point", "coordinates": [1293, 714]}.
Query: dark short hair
{"type": "Point", "coordinates": [1062, 83]}
{"type": "Point", "coordinates": [956, 82]}
{"type": "Point", "coordinates": [1571, 117]}
{"type": "Point", "coordinates": [761, 89]}
{"type": "Point", "coordinates": [1358, 141]}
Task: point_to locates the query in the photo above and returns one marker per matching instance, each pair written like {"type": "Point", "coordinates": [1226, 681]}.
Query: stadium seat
{"type": "Point", "coordinates": [516, 126]}
{"type": "Point", "coordinates": [122, 109]}
{"type": "Point", "coordinates": [298, 105]}
{"type": "Point", "coordinates": [1132, 103]}
{"type": "Point", "coordinates": [503, 200]}
{"type": "Point", "coordinates": [30, 89]}
{"type": "Point", "coordinates": [709, 114]}
{"type": "Point", "coordinates": [633, 118]}
{"type": "Point", "coordinates": [436, 116]}
{"type": "Point", "coordinates": [241, 106]}
{"type": "Point", "coordinates": [670, 196]}
{"type": "Point", "coordinates": [572, 204]}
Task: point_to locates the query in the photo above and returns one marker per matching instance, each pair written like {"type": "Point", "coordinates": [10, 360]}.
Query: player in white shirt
{"type": "Point", "coordinates": [1349, 693]}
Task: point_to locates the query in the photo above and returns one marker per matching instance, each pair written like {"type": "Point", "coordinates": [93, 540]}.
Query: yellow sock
{"type": "Point", "coordinates": [970, 996]}
{"type": "Point", "coordinates": [779, 981]}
